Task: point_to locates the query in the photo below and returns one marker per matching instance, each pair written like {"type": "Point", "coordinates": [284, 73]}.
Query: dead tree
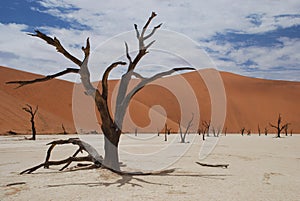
{"type": "Point", "coordinates": [32, 113]}
{"type": "Point", "coordinates": [64, 129]}
{"type": "Point", "coordinates": [225, 131]}
{"type": "Point", "coordinates": [248, 132]}
{"type": "Point", "coordinates": [242, 131]}
{"type": "Point", "coordinates": [111, 127]}
{"type": "Point", "coordinates": [135, 131]}
{"type": "Point", "coordinates": [266, 131]}
{"type": "Point", "coordinates": [279, 127]}
{"type": "Point", "coordinates": [286, 129]}
{"type": "Point", "coordinates": [258, 129]}
{"type": "Point", "coordinates": [167, 132]}
{"type": "Point", "coordinates": [201, 131]}
{"type": "Point", "coordinates": [183, 135]}
{"type": "Point", "coordinates": [92, 156]}
{"type": "Point", "coordinates": [206, 125]}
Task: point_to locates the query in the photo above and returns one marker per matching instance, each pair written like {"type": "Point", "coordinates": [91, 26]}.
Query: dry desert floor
{"type": "Point", "coordinates": [260, 168]}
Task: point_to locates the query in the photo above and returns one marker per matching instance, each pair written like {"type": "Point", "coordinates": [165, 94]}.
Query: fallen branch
{"type": "Point", "coordinates": [93, 157]}
{"type": "Point", "coordinates": [213, 165]}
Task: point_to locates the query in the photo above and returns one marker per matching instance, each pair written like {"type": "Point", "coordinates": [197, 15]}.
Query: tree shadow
{"type": "Point", "coordinates": [134, 180]}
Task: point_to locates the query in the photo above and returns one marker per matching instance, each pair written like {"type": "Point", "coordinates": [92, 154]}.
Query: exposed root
{"type": "Point", "coordinates": [93, 157]}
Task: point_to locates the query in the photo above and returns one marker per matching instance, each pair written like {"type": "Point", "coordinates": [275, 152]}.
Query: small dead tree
{"type": "Point", "coordinates": [258, 129]}
{"type": "Point", "coordinates": [266, 131]}
{"type": "Point", "coordinates": [286, 129]}
{"type": "Point", "coordinates": [32, 113]}
{"type": "Point", "coordinates": [225, 131]}
{"type": "Point", "coordinates": [242, 131]}
{"type": "Point", "coordinates": [279, 128]}
{"type": "Point", "coordinates": [135, 131]}
{"type": "Point", "coordinates": [112, 125]}
{"type": "Point", "coordinates": [291, 134]}
{"type": "Point", "coordinates": [206, 125]}
{"type": "Point", "coordinates": [64, 129]}
{"type": "Point", "coordinates": [183, 135]}
{"type": "Point", "coordinates": [248, 132]}
{"type": "Point", "coordinates": [167, 132]}
{"type": "Point", "coordinates": [201, 131]}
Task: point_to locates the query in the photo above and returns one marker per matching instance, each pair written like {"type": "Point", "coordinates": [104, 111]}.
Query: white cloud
{"type": "Point", "coordinates": [196, 19]}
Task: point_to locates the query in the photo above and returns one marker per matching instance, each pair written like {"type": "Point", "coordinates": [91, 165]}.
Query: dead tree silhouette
{"type": "Point", "coordinates": [279, 127]}
{"type": "Point", "coordinates": [111, 127]}
{"type": "Point", "coordinates": [32, 113]}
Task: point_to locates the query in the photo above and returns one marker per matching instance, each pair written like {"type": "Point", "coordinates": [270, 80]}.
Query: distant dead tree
{"type": "Point", "coordinates": [291, 132]}
{"type": "Point", "coordinates": [286, 129]}
{"type": "Point", "coordinates": [135, 131]}
{"type": "Point", "coordinates": [32, 113]}
{"type": "Point", "coordinates": [225, 131]}
{"type": "Point", "coordinates": [201, 131]}
{"type": "Point", "coordinates": [279, 127]}
{"type": "Point", "coordinates": [242, 130]}
{"type": "Point", "coordinates": [206, 125]}
{"type": "Point", "coordinates": [183, 135]}
{"type": "Point", "coordinates": [248, 132]}
{"type": "Point", "coordinates": [266, 131]}
{"type": "Point", "coordinates": [167, 132]}
{"type": "Point", "coordinates": [112, 124]}
{"type": "Point", "coordinates": [64, 129]}
{"type": "Point", "coordinates": [259, 131]}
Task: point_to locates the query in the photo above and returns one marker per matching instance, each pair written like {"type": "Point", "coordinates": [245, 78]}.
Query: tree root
{"type": "Point", "coordinates": [213, 165]}
{"type": "Point", "coordinates": [93, 157]}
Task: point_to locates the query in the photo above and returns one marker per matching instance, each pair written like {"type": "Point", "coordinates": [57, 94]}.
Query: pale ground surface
{"type": "Point", "coordinates": [261, 168]}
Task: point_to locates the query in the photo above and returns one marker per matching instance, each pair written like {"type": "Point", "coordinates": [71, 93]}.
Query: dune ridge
{"type": "Point", "coordinates": [250, 102]}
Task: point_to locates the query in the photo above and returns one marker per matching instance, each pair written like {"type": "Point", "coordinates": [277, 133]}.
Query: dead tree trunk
{"type": "Point", "coordinates": [266, 131]}
{"type": "Point", "coordinates": [32, 113]}
{"type": "Point", "coordinates": [183, 135]}
{"type": "Point", "coordinates": [112, 128]}
{"type": "Point", "coordinates": [258, 129]}
{"type": "Point", "coordinates": [279, 127]}
{"type": "Point", "coordinates": [242, 131]}
{"type": "Point", "coordinates": [206, 125]}
{"type": "Point", "coordinates": [64, 129]}
{"type": "Point", "coordinates": [167, 132]}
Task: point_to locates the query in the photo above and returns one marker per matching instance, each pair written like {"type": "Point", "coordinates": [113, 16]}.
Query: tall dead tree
{"type": "Point", "coordinates": [32, 113]}
{"type": "Point", "coordinates": [111, 127]}
{"type": "Point", "coordinates": [279, 127]}
{"type": "Point", "coordinates": [183, 135]}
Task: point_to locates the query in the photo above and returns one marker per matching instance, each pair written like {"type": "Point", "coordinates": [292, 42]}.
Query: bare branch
{"type": "Point", "coordinates": [137, 75]}
{"type": "Point", "coordinates": [48, 77]}
{"type": "Point", "coordinates": [149, 45]}
{"type": "Point", "coordinates": [127, 53]}
{"type": "Point", "coordinates": [153, 14]}
{"type": "Point", "coordinates": [144, 82]}
{"type": "Point", "coordinates": [153, 31]}
{"type": "Point", "coordinates": [105, 77]}
{"type": "Point", "coordinates": [56, 43]}
{"type": "Point", "coordinates": [137, 31]}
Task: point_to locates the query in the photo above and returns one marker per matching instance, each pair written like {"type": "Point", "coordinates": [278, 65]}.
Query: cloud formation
{"type": "Point", "coordinates": [256, 38]}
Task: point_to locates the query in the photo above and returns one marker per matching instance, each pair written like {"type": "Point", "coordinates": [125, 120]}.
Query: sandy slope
{"type": "Point", "coordinates": [250, 102]}
{"type": "Point", "coordinates": [268, 172]}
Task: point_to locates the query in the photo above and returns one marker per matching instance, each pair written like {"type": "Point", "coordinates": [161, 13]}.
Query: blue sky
{"type": "Point", "coordinates": [258, 38]}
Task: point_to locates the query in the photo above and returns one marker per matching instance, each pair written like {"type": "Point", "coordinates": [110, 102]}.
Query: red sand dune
{"type": "Point", "coordinates": [250, 102]}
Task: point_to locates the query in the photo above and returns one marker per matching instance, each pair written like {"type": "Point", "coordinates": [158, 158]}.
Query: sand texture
{"type": "Point", "coordinates": [260, 168]}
